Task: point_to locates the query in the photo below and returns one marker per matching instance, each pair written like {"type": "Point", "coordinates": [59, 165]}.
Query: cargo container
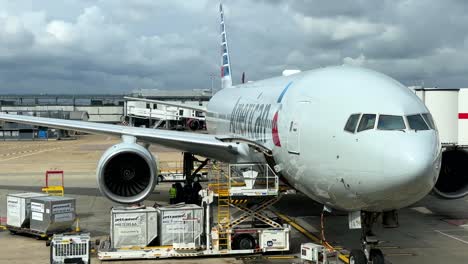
{"type": "Point", "coordinates": [19, 208]}
{"type": "Point", "coordinates": [133, 227]}
{"type": "Point", "coordinates": [180, 225]}
{"type": "Point", "coordinates": [52, 214]}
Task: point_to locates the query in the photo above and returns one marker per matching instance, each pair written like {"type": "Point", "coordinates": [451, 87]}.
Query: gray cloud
{"type": "Point", "coordinates": [114, 46]}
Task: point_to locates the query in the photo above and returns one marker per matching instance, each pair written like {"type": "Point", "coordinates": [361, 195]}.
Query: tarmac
{"type": "Point", "coordinates": [431, 231]}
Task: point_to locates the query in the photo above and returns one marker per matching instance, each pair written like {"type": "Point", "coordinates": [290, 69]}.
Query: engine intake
{"type": "Point", "coordinates": [126, 173]}
{"type": "Point", "coordinates": [453, 177]}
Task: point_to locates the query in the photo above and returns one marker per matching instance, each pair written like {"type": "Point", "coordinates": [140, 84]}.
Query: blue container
{"type": "Point", "coordinates": [42, 134]}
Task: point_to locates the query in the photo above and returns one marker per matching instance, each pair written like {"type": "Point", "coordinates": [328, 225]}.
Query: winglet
{"type": "Point", "coordinates": [226, 80]}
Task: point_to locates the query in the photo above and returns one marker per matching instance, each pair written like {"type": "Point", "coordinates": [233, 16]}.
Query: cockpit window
{"type": "Point", "coordinates": [352, 123]}
{"type": "Point", "coordinates": [429, 120]}
{"type": "Point", "coordinates": [367, 122]}
{"type": "Point", "coordinates": [391, 122]}
{"type": "Point", "coordinates": [416, 122]}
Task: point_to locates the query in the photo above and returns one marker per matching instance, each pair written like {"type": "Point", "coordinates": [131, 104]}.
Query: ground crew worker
{"type": "Point", "coordinates": [172, 194]}
{"type": "Point", "coordinates": [180, 193]}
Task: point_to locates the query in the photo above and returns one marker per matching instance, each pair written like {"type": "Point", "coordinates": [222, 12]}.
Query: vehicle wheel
{"type": "Point", "coordinates": [376, 256]}
{"type": "Point", "coordinates": [357, 256]}
{"type": "Point", "coordinates": [160, 178]}
{"type": "Point", "coordinates": [12, 232]}
{"type": "Point", "coordinates": [244, 242]}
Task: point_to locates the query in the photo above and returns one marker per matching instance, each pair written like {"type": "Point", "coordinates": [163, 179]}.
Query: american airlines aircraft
{"type": "Point", "coordinates": [350, 138]}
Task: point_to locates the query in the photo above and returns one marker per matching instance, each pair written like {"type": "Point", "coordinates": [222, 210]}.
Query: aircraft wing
{"type": "Point", "coordinates": [191, 107]}
{"type": "Point", "coordinates": [200, 144]}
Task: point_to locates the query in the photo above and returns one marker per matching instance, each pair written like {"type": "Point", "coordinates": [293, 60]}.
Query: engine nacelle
{"type": "Point", "coordinates": [126, 173]}
{"type": "Point", "coordinates": [453, 177]}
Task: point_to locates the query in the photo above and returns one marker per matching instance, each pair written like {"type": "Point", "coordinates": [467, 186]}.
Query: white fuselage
{"type": "Point", "coordinates": [302, 118]}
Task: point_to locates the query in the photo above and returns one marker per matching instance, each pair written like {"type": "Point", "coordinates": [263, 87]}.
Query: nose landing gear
{"type": "Point", "coordinates": [369, 253]}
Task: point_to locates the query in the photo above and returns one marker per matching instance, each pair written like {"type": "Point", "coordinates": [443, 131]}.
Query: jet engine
{"type": "Point", "coordinates": [126, 173]}
{"type": "Point", "coordinates": [453, 177]}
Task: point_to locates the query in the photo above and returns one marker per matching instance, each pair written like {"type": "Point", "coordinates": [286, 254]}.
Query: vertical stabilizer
{"type": "Point", "coordinates": [226, 80]}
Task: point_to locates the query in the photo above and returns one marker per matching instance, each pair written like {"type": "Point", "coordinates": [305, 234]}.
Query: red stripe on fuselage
{"type": "Point", "coordinates": [274, 131]}
{"type": "Point", "coordinates": [462, 115]}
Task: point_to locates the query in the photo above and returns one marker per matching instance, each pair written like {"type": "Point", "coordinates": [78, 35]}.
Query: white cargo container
{"type": "Point", "coordinates": [180, 226]}
{"type": "Point", "coordinates": [133, 227]}
{"type": "Point", "coordinates": [52, 214]}
{"type": "Point", "coordinates": [19, 208]}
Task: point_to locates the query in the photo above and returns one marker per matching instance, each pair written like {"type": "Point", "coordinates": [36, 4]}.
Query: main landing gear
{"type": "Point", "coordinates": [369, 253]}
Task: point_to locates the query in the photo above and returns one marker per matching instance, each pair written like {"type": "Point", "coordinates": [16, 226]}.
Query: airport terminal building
{"type": "Point", "coordinates": [112, 109]}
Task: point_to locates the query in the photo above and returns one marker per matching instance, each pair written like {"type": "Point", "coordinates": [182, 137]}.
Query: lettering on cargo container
{"type": "Point", "coordinates": [62, 208]}
{"type": "Point", "coordinates": [37, 207]}
{"type": "Point", "coordinates": [175, 216]}
{"type": "Point", "coordinates": [37, 216]}
{"type": "Point", "coordinates": [63, 217]}
{"type": "Point", "coordinates": [12, 202]}
{"type": "Point", "coordinates": [127, 221]}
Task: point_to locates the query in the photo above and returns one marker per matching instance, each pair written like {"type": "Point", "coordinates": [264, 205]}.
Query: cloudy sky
{"type": "Point", "coordinates": [114, 46]}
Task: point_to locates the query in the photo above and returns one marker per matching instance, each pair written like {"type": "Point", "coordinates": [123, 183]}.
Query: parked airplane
{"type": "Point", "coordinates": [350, 138]}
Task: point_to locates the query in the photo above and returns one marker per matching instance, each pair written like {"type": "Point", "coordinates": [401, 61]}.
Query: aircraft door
{"type": "Point", "coordinates": [294, 137]}
{"type": "Point", "coordinates": [294, 130]}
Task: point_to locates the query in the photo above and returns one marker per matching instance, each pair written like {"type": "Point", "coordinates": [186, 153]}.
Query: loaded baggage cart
{"type": "Point", "coordinates": [52, 214]}
{"type": "Point", "coordinates": [19, 209]}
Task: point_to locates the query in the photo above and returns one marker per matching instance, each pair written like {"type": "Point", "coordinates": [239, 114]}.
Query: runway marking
{"type": "Point", "coordinates": [453, 237]}
{"type": "Point", "coordinates": [422, 210]}
{"type": "Point", "coordinates": [30, 154]}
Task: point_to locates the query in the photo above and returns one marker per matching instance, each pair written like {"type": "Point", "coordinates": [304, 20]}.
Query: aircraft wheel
{"type": "Point", "coordinates": [376, 256]}
{"type": "Point", "coordinates": [160, 179]}
{"type": "Point", "coordinates": [357, 256]}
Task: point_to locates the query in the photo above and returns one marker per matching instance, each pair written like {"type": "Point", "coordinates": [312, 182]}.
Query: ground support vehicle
{"type": "Point", "coordinates": [70, 248]}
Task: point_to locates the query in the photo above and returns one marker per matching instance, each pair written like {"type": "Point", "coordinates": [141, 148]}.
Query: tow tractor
{"type": "Point", "coordinates": [235, 218]}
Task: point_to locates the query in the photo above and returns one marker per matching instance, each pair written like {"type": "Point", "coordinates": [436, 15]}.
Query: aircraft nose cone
{"type": "Point", "coordinates": [413, 173]}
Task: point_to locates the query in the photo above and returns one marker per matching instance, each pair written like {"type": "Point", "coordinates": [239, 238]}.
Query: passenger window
{"type": "Point", "coordinates": [429, 120]}
{"type": "Point", "coordinates": [416, 122]}
{"type": "Point", "coordinates": [391, 122]}
{"type": "Point", "coordinates": [352, 123]}
{"type": "Point", "coordinates": [367, 122]}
